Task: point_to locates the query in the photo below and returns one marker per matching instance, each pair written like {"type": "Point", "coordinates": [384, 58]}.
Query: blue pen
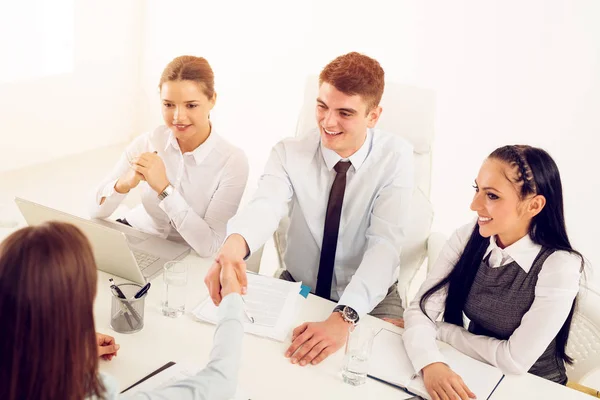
{"type": "Point", "coordinates": [142, 291]}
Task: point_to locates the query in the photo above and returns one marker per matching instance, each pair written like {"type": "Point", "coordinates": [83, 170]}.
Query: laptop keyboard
{"type": "Point", "coordinates": [144, 259]}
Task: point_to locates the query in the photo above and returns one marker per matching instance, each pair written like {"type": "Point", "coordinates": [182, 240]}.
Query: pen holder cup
{"type": "Point", "coordinates": [127, 315]}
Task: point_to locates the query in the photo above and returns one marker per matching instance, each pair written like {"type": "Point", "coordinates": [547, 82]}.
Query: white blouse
{"type": "Point", "coordinates": [557, 286]}
{"type": "Point", "coordinates": [209, 182]}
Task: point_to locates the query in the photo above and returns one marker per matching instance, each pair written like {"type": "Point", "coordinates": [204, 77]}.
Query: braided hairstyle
{"type": "Point", "coordinates": [536, 173]}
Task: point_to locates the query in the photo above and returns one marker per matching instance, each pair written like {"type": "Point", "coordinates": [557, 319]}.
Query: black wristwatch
{"type": "Point", "coordinates": [348, 313]}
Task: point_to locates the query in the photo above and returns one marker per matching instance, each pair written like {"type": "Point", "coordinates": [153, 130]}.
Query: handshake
{"type": "Point", "coordinates": [228, 273]}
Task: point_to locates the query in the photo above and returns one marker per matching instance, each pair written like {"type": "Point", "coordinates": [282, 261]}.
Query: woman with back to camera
{"type": "Point", "coordinates": [48, 340]}
{"type": "Point", "coordinates": [192, 178]}
{"type": "Point", "coordinates": [513, 274]}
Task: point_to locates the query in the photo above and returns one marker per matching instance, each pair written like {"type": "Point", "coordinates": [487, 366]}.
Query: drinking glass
{"type": "Point", "coordinates": [175, 279]}
{"type": "Point", "coordinates": [358, 351]}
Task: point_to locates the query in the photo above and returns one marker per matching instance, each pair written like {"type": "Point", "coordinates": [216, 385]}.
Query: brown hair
{"type": "Point", "coordinates": [190, 68]}
{"type": "Point", "coordinates": [355, 73]}
{"type": "Point", "coordinates": [47, 290]}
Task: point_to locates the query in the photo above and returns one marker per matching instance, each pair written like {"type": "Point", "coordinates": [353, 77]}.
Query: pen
{"type": "Point", "coordinates": [116, 289]}
{"type": "Point", "coordinates": [251, 318]}
{"type": "Point", "coordinates": [117, 292]}
{"type": "Point", "coordinates": [404, 389]}
{"type": "Point", "coordinates": [128, 306]}
{"type": "Point", "coordinates": [142, 291]}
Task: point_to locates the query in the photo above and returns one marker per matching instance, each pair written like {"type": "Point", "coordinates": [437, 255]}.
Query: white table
{"type": "Point", "coordinates": [265, 373]}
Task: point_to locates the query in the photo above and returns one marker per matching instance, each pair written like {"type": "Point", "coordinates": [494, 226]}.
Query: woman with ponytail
{"type": "Point", "coordinates": [513, 275]}
{"type": "Point", "coordinates": [191, 178]}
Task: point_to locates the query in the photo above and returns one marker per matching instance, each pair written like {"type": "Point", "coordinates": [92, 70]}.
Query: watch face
{"type": "Point", "coordinates": [350, 314]}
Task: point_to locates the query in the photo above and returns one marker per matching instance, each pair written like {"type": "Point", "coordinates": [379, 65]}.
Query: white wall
{"type": "Point", "coordinates": [96, 105]}
{"type": "Point", "coordinates": [504, 72]}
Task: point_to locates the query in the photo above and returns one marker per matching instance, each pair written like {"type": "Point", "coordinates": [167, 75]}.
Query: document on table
{"type": "Point", "coordinates": [390, 363]}
{"type": "Point", "coordinates": [169, 374]}
{"type": "Point", "coordinates": [270, 301]}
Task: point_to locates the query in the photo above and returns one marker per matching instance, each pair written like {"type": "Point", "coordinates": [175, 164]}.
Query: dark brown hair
{"type": "Point", "coordinates": [190, 68]}
{"type": "Point", "coordinates": [355, 73]}
{"type": "Point", "coordinates": [47, 290]}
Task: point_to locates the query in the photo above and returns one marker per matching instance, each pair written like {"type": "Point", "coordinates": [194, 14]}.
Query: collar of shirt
{"type": "Point", "coordinates": [523, 252]}
{"type": "Point", "coordinates": [357, 159]}
{"type": "Point", "coordinates": [200, 152]}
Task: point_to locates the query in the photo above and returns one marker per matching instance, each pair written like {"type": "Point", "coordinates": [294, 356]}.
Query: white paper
{"type": "Point", "coordinates": [389, 362]}
{"type": "Point", "coordinates": [270, 301]}
{"type": "Point", "coordinates": [171, 375]}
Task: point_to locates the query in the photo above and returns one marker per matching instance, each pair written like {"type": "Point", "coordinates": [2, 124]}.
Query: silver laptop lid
{"type": "Point", "coordinates": [110, 248]}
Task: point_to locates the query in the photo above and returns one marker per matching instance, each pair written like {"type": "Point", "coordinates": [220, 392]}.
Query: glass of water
{"type": "Point", "coordinates": [175, 280]}
{"type": "Point", "coordinates": [358, 351]}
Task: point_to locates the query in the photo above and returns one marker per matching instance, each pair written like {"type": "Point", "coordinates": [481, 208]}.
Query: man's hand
{"type": "Point", "coordinates": [442, 383]}
{"type": "Point", "coordinates": [231, 256]}
{"type": "Point", "coordinates": [152, 167]}
{"type": "Point", "coordinates": [312, 342]}
{"type": "Point", "coordinates": [107, 348]}
{"type": "Point", "coordinates": [229, 281]}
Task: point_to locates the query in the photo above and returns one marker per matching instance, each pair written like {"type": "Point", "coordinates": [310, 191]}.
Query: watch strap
{"type": "Point", "coordinates": [167, 192]}
{"type": "Point", "coordinates": [340, 308]}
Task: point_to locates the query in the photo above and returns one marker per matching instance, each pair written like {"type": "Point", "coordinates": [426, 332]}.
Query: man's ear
{"type": "Point", "coordinates": [373, 116]}
{"type": "Point", "coordinates": [536, 205]}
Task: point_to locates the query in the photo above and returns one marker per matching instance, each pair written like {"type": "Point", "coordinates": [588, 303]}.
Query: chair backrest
{"type": "Point", "coordinates": [409, 112]}
{"type": "Point", "coordinates": [584, 337]}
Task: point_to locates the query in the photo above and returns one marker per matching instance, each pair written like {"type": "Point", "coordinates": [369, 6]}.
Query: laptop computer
{"type": "Point", "coordinates": [118, 249]}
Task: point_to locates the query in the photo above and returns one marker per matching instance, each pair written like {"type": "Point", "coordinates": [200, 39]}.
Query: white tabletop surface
{"type": "Point", "coordinates": [265, 373]}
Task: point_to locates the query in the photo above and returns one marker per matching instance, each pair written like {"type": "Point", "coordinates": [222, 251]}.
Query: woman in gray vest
{"type": "Point", "coordinates": [513, 274]}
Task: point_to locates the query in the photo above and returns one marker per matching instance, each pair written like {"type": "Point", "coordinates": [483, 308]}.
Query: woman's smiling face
{"type": "Point", "coordinates": [501, 210]}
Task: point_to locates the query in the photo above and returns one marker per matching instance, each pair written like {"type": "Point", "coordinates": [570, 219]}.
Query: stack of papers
{"type": "Point", "coordinates": [270, 301]}
{"type": "Point", "coordinates": [390, 363]}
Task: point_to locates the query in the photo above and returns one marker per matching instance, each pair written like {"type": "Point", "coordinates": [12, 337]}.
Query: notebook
{"type": "Point", "coordinates": [390, 363]}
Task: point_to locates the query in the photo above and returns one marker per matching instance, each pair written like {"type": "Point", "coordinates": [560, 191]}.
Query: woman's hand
{"type": "Point", "coordinates": [444, 384]}
{"type": "Point", "coordinates": [152, 167]}
{"type": "Point", "coordinates": [107, 348]}
{"type": "Point", "coordinates": [128, 181]}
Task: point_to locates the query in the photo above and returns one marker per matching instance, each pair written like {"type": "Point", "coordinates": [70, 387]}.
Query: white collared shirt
{"type": "Point", "coordinates": [557, 286]}
{"type": "Point", "coordinates": [209, 182]}
{"type": "Point", "coordinates": [379, 185]}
